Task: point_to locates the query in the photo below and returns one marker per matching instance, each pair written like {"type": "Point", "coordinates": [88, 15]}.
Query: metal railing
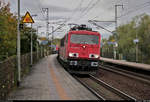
{"type": "Point", "coordinates": [131, 57]}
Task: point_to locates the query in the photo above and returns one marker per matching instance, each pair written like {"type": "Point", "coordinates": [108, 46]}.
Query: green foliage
{"type": "Point", "coordinates": [8, 31]}
{"type": "Point", "coordinates": [126, 34]}
{"type": "Point", "coordinates": [56, 41]}
{"type": "Point", "coordinates": [140, 26]}
{"type": "Point", "coordinates": [8, 34]}
{"type": "Point", "coordinates": [144, 37]}
{"type": "Point", "coordinates": [26, 39]}
{"type": "Point", "coordinates": [106, 49]}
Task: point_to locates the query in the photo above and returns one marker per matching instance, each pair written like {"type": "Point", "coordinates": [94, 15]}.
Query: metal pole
{"type": "Point", "coordinates": [52, 35]}
{"type": "Point", "coordinates": [116, 17]}
{"type": "Point", "coordinates": [116, 30]}
{"type": "Point", "coordinates": [37, 50]}
{"type": "Point", "coordinates": [31, 46]}
{"type": "Point", "coordinates": [136, 48]}
{"type": "Point", "coordinates": [47, 21]}
{"type": "Point", "coordinates": [47, 31]}
{"type": "Point", "coordinates": [18, 46]}
{"type": "Point", "coordinates": [47, 28]}
{"type": "Point", "coordinates": [137, 52]}
{"type": "Point", "coordinates": [115, 52]}
{"type": "Point", "coordinates": [37, 45]}
{"type": "Point", "coordinates": [41, 51]}
{"type": "Point", "coordinates": [52, 39]}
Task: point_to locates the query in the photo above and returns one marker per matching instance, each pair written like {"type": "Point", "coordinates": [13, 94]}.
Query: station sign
{"type": "Point", "coordinates": [110, 43]}
{"type": "Point", "coordinates": [42, 38]}
{"type": "Point", "coordinates": [113, 43]}
{"type": "Point", "coordinates": [44, 42]}
{"type": "Point", "coordinates": [113, 40]}
{"type": "Point", "coordinates": [27, 18]}
{"type": "Point", "coordinates": [53, 46]}
{"type": "Point", "coordinates": [136, 41]}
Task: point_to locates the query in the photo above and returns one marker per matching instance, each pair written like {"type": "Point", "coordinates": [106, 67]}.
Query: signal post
{"type": "Point", "coordinates": [28, 19]}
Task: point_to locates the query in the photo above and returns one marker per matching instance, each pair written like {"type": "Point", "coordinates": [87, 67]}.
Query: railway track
{"type": "Point", "coordinates": [102, 90]}
{"type": "Point", "coordinates": [89, 88]}
{"type": "Point", "coordinates": [137, 76]}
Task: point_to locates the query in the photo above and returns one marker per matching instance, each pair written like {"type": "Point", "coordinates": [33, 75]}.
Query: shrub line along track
{"type": "Point", "coordinates": [103, 88]}
{"type": "Point", "coordinates": [123, 72]}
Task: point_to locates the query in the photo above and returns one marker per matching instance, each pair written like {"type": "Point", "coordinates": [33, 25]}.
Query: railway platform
{"type": "Point", "coordinates": [49, 81]}
{"type": "Point", "coordinates": [145, 67]}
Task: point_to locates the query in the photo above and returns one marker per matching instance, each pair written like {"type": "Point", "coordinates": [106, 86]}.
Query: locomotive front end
{"type": "Point", "coordinates": [84, 51]}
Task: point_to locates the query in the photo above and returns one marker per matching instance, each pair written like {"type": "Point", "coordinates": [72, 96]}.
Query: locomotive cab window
{"type": "Point", "coordinates": [84, 39]}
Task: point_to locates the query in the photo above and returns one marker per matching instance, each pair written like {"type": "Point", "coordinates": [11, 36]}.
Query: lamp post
{"type": "Point", "coordinates": [18, 47]}
{"type": "Point", "coordinates": [47, 18]}
{"type": "Point", "coordinates": [137, 49]}
{"type": "Point", "coordinates": [136, 42]}
{"type": "Point", "coordinates": [116, 16]}
{"type": "Point", "coordinates": [51, 40]}
{"type": "Point", "coordinates": [52, 33]}
{"type": "Point", "coordinates": [32, 41]}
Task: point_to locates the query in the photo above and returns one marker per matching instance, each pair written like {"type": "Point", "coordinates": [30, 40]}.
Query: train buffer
{"type": "Point", "coordinates": [49, 81]}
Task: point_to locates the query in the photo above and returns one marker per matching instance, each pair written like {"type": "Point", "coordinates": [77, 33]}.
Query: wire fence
{"type": "Point", "coordinates": [128, 56]}
{"type": "Point", "coordinates": [8, 71]}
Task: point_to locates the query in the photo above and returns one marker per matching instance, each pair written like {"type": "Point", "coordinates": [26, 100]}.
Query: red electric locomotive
{"type": "Point", "coordinates": [80, 50]}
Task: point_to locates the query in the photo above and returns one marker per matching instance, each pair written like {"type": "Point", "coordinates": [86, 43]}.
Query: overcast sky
{"type": "Point", "coordinates": [80, 11]}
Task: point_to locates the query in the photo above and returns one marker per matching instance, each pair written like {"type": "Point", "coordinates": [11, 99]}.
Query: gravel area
{"type": "Point", "coordinates": [134, 88]}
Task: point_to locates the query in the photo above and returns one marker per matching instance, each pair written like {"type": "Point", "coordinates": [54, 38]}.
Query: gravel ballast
{"type": "Point", "coordinates": [134, 88]}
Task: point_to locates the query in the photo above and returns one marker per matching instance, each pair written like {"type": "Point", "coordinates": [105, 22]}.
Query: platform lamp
{"type": "Point", "coordinates": [52, 35]}
{"type": "Point", "coordinates": [31, 40]}
{"type": "Point", "coordinates": [37, 41]}
{"type": "Point", "coordinates": [136, 40]}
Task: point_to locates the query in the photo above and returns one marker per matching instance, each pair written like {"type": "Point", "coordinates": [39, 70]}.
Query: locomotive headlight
{"type": "Point", "coordinates": [96, 56]}
{"type": "Point", "coordinates": [93, 56]}
{"type": "Point", "coordinates": [73, 54]}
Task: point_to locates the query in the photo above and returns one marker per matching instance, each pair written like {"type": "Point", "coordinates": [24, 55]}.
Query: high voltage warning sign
{"type": "Point", "coordinates": [27, 18]}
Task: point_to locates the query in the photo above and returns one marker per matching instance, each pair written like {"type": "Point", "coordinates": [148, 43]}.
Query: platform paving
{"type": "Point", "coordinates": [49, 81]}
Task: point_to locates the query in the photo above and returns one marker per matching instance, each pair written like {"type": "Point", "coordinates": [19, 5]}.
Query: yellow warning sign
{"type": "Point", "coordinates": [27, 18]}
{"type": "Point", "coordinates": [113, 40]}
{"type": "Point", "coordinates": [42, 38]}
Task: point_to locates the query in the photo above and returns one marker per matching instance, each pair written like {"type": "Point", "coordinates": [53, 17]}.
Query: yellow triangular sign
{"type": "Point", "coordinates": [113, 40]}
{"type": "Point", "coordinates": [27, 18]}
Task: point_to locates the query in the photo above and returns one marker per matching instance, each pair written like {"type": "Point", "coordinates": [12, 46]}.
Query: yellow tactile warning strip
{"type": "Point", "coordinates": [59, 88]}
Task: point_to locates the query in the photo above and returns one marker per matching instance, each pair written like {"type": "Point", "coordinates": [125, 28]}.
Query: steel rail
{"type": "Point", "coordinates": [90, 89]}
{"type": "Point", "coordinates": [118, 92]}
{"type": "Point", "coordinates": [133, 75]}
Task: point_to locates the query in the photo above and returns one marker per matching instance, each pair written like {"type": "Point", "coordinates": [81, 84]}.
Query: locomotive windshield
{"type": "Point", "coordinates": [84, 39]}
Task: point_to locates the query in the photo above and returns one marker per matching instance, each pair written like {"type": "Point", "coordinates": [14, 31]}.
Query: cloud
{"type": "Point", "coordinates": [61, 9]}
{"type": "Point", "coordinates": [58, 9]}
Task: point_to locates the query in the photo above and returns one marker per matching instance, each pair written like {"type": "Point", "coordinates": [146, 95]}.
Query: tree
{"type": "Point", "coordinates": [26, 39]}
{"type": "Point", "coordinates": [8, 31]}
{"type": "Point", "coordinates": [56, 41]}
{"type": "Point", "coordinates": [144, 37]}
{"type": "Point", "coordinates": [126, 33]}
{"type": "Point", "coordinates": [8, 34]}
